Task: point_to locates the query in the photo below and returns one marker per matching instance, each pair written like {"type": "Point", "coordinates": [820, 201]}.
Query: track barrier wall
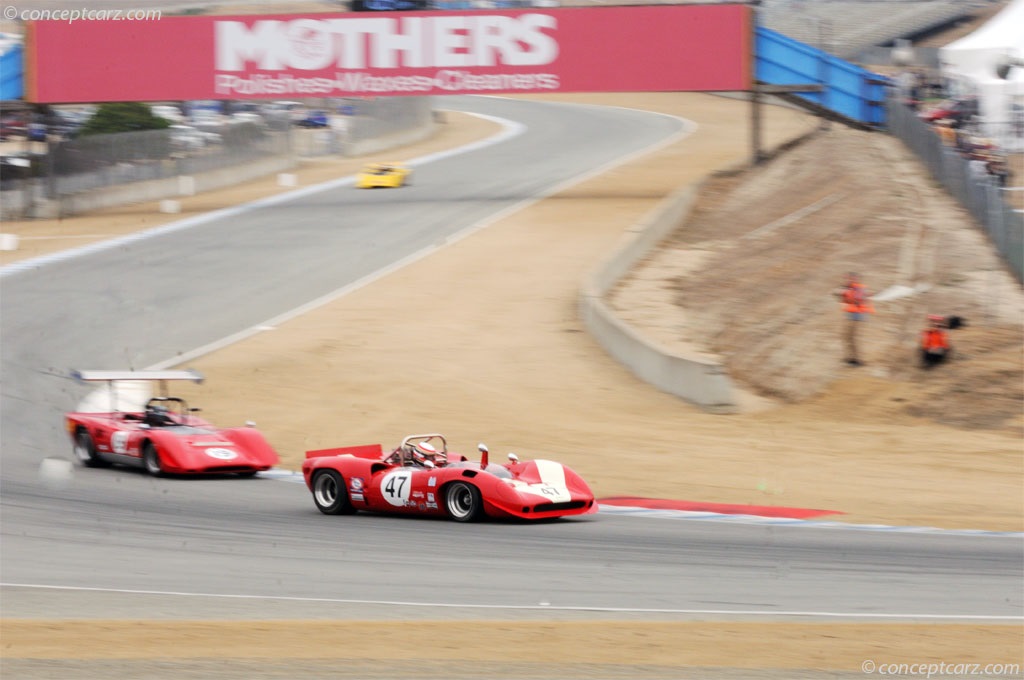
{"type": "Point", "coordinates": [697, 380]}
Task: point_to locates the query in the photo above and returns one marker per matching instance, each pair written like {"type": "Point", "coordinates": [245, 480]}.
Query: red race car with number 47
{"type": "Point", "coordinates": [422, 477]}
{"type": "Point", "coordinates": [161, 434]}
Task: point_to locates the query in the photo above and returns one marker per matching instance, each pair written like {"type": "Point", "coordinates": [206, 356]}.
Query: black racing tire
{"type": "Point", "coordinates": [151, 459]}
{"type": "Point", "coordinates": [85, 450]}
{"type": "Point", "coordinates": [463, 502]}
{"type": "Point", "coordinates": [330, 495]}
{"type": "Point", "coordinates": [247, 474]}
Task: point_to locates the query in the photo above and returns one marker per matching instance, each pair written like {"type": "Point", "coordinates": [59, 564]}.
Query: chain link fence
{"type": "Point", "coordinates": [358, 126]}
{"type": "Point", "coordinates": [982, 195]}
{"type": "Point", "coordinates": [52, 180]}
{"type": "Point", "coordinates": [88, 163]}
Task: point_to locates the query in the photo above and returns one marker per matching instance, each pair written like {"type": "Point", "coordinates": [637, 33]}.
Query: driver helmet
{"type": "Point", "coordinates": [157, 415]}
{"type": "Point", "coordinates": [423, 451]}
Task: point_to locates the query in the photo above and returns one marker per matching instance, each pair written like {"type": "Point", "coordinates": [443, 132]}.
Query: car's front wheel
{"type": "Point", "coordinates": [330, 494]}
{"type": "Point", "coordinates": [463, 502]}
{"type": "Point", "coordinates": [85, 450]}
{"type": "Point", "coordinates": [151, 460]}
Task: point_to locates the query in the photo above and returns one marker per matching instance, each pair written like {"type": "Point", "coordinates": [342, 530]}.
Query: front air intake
{"type": "Point", "coordinates": [553, 507]}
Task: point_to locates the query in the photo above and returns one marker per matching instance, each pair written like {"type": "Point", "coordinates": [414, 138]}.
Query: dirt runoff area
{"type": "Point", "coordinates": [507, 361]}
{"type": "Point", "coordinates": [376, 650]}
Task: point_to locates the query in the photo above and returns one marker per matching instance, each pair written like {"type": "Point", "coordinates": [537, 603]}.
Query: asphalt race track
{"type": "Point", "coordinates": [259, 549]}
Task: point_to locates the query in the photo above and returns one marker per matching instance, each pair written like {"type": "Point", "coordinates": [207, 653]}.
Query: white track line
{"type": "Point", "coordinates": [787, 521]}
{"type": "Point", "coordinates": [540, 606]}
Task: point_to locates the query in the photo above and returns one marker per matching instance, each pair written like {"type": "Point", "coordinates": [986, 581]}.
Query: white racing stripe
{"type": "Point", "coordinates": [552, 477]}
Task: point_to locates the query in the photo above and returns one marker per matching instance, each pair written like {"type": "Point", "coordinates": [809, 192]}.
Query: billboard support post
{"type": "Point", "coordinates": [755, 90]}
{"type": "Point", "coordinates": [755, 124]}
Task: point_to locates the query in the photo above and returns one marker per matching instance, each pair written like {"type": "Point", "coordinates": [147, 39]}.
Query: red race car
{"type": "Point", "coordinates": [161, 434]}
{"type": "Point", "coordinates": [421, 477]}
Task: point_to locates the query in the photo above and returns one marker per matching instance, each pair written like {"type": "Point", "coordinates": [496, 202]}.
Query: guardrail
{"type": "Point", "coordinates": [698, 380]}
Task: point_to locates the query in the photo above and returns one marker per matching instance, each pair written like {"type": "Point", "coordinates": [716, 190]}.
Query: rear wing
{"type": "Point", "coordinates": [136, 397]}
{"type": "Point", "coordinates": [371, 451]}
{"type": "Point", "coordinates": [110, 376]}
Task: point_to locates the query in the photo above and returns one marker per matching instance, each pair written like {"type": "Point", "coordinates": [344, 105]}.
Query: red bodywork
{"type": "Point", "coordinates": [378, 481]}
{"type": "Point", "coordinates": [187, 445]}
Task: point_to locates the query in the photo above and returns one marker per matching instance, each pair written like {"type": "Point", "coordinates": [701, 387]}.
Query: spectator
{"type": "Point", "coordinates": [935, 347]}
{"type": "Point", "coordinates": [998, 168]}
{"type": "Point", "coordinates": [944, 128]}
{"type": "Point", "coordinates": [856, 306]}
{"type": "Point", "coordinates": [977, 167]}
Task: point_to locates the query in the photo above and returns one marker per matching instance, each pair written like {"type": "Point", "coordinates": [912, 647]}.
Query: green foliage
{"type": "Point", "coordinates": [122, 117]}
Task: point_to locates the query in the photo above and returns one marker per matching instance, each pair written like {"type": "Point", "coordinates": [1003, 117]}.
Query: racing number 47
{"type": "Point", "coordinates": [390, 486]}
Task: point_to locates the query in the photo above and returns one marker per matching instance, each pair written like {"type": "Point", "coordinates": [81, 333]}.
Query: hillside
{"type": "Point", "coordinates": [751, 276]}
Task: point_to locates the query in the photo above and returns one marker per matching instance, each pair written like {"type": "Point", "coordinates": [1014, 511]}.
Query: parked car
{"type": "Point", "coordinates": [285, 110]}
{"type": "Point", "coordinates": [66, 124]}
{"type": "Point", "coordinates": [246, 117]}
{"type": "Point", "coordinates": [168, 112]}
{"type": "Point", "coordinates": [13, 125]}
{"type": "Point", "coordinates": [36, 132]}
{"type": "Point", "coordinates": [15, 167]}
{"type": "Point", "coordinates": [959, 110]}
{"type": "Point", "coordinates": [204, 118]}
{"type": "Point", "coordinates": [188, 138]}
{"type": "Point", "coordinates": [314, 119]}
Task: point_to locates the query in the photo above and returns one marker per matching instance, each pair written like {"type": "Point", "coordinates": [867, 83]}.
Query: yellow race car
{"type": "Point", "coordinates": [386, 175]}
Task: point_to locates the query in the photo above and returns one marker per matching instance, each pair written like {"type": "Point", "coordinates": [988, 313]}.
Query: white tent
{"type": "Point", "coordinates": [971, 63]}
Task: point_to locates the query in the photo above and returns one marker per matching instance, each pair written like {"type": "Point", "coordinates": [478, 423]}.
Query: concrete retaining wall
{"type": "Point", "coordinates": [697, 380]}
{"type": "Point", "coordinates": [375, 145]}
{"type": "Point", "coordinates": [157, 189]}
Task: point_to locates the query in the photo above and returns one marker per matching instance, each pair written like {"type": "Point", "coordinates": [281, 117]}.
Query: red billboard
{"type": "Point", "coordinates": [582, 49]}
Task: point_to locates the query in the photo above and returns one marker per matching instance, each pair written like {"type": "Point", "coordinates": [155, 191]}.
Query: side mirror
{"type": "Point", "coordinates": [482, 448]}
{"type": "Point", "coordinates": [513, 458]}
{"type": "Point", "coordinates": [250, 423]}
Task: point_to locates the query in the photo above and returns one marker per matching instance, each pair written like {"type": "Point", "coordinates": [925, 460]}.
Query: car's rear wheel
{"type": "Point", "coordinates": [330, 494]}
{"type": "Point", "coordinates": [85, 450]}
{"type": "Point", "coordinates": [463, 502]}
{"type": "Point", "coordinates": [151, 460]}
